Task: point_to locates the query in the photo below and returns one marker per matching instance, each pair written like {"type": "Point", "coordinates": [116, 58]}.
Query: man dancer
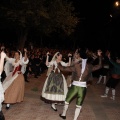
{"type": "Point", "coordinates": [114, 78]}
{"type": "Point", "coordinates": [80, 74]}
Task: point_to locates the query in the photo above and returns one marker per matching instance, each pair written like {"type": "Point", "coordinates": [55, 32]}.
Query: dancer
{"type": "Point", "coordinates": [104, 71]}
{"type": "Point", "coordinates": [14, 84]}
{"type": "Point", "coordinates": [75, 59]}
{"type": "Point", "coordinates": [2, 58]}
{"type": "Point", "coordinates": [55, 87]}
{"type": "Point", "coordinates": [81, 71]}
{"type": "Point", "coordinates": [114, 77]}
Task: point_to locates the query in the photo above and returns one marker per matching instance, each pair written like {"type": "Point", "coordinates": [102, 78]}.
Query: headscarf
{"type": "Point", "coordinates": [54, 57]}
{"type": "Point", "coordinates": [52, 67]}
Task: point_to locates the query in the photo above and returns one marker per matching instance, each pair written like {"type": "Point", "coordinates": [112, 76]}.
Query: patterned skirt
{"type": "Point", "coordinates": [55, 88]}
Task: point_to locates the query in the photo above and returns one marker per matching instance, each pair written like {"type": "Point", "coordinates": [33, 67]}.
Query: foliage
{"type": "Point", "coordinates": [46, 15]}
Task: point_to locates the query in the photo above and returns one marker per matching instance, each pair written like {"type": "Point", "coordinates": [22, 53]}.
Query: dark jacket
{"type": "Point", "coordinates": [76, 70]}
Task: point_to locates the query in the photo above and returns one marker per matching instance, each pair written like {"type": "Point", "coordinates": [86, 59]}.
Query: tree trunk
{"type": "Point", "coordinates": [21, 41]}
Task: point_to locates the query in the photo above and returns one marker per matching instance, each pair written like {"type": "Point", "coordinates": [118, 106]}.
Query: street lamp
{"type": "Point", "coordinates": [116, 9]}
{"type": "Point", "coordinates": [117, 3]}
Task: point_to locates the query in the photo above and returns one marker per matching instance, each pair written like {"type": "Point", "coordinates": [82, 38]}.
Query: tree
{"type": "Point", "coordinates": [47, 16]}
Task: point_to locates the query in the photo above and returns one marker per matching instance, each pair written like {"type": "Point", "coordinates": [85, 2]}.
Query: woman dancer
{"type": "Point", "coordinates": [55, 87]}
{"type": "Point", "coordinates": [14, 84]}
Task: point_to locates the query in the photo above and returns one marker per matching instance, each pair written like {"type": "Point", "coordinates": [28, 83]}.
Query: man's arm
{"type": "Point", "coordinates": [111, 61]}
{"type": "Point", "coordinates": [66, 68]}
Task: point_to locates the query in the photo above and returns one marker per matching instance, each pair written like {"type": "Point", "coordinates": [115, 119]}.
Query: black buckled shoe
{"type": "Point", "coordinates": [7, 108]}
{"type": "Point", "coordinates": [63, 117]}
{"type": "Point", "coordinates": [54, 108]}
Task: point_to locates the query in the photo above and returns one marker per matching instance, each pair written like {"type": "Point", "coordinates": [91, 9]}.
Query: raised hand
{"type": "Point", "coordinates": [25, 50]}
{"type": "Point", "coordinates": [108, 54]}
{"type": "Point", "coordinates": [69, 55]}
{"type": "Point", "coordinates": [48, 53]}
{"type": "Point", "coordinates": [99, 52]}
{"type": "Point", "coordinates": [2, 55]}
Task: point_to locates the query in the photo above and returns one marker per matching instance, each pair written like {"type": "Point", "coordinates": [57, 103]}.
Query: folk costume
{"type": "Point", "coordinates": [55, 87]}
{"type": "Point", "coordinates": [80, 75]}
{"type": "Point", "coordinates": [2, 57]}
{"type": "Point", "coordinates": [114, 79]}
{"type": "Point", "coordinates": [14, 84]}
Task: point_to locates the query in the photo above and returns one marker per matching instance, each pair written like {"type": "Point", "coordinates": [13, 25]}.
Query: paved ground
{"type": "Point", "coordinates": [94, 107]}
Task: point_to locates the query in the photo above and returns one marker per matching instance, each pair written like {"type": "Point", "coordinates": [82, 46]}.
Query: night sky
{"type": "Point", "coordinates": [95, 29]}
{"type": "Point", "coordinates": [96, 26]}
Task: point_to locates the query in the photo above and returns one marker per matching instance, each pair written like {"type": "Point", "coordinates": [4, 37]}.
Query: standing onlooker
{"type": "Point", "coordinates": [104, 71]}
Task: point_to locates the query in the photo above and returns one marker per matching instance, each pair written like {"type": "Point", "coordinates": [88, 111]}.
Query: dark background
{"type": "Point", "coordinates": [96, 28]}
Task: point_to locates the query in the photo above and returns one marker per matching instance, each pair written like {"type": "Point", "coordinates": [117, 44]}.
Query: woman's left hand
{"type": "Point", "coordinates": [69, 55]}
{"type": "Point", "coordinates": [25, 50]}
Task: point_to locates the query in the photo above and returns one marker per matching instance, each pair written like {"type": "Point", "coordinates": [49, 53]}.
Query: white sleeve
{"type": "Point", "coordinates": [10, 60]}
{"type": "Point", "coordinates": [8, 67]}
{"type": "Point", "coordinates": [64, 64]}
{"type": "Point", "coordinates": [23, 69]}
{"type": "Point", "coordinates": [50, 64]}
{"type": "Point", "coordinates": [24, 62]}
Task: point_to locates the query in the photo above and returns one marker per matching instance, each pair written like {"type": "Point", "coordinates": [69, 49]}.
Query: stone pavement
{"type": "Point", "coordinates": [94, 107]}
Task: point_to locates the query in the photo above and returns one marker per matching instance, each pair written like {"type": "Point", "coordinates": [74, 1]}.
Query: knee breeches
{"type": "Point", "coordinates": [78, 92]}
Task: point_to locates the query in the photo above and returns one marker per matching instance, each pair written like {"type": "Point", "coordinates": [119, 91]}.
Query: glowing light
{"type": "Point", "coordinates": [110, 15]}
{"type": "Point", "coordinates": [117, 3]}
